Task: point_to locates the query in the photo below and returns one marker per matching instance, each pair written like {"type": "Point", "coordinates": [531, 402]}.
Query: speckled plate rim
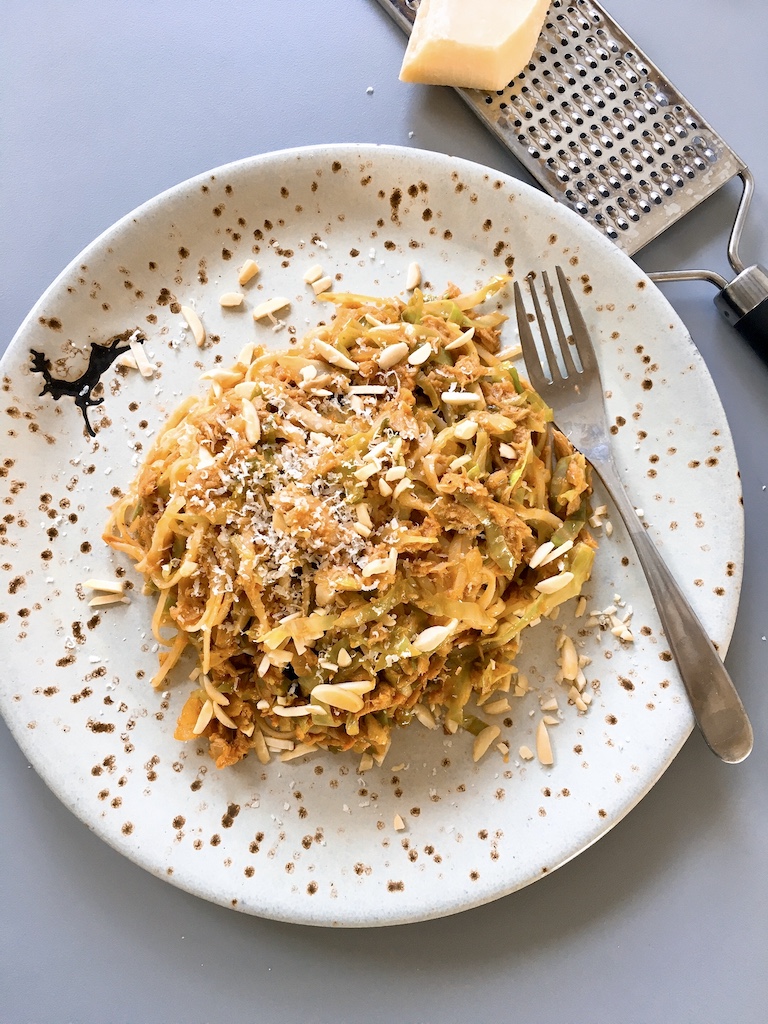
{"type": "Point", "coordinates": [47, 769]}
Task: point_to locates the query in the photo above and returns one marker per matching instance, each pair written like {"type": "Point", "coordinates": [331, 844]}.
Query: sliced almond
{"type": "Point", "coordinates": [554, 583]}
{"type": "Point", "coordinates": [543, 745]}
{"type": "Point", "coordinates": [343, 658]}
{"type": "Point", "coordinates": [337, 697]}
{"type": "Point", "coordinates": [195, 325]}
{"type": "Point", "coordinates": [483, 741]}
{"type": "Point", "coordinates": [460, 398]}
{"type": "Point", "coordinates": [376, 567]}
{"type": "Point", "coordinates": [231, 300]}
{"type": "Point", "coordinates": [420, 355]}
{"type": "Point", "coordinates": [433, 636]}
{"type": "Point", "coordinates": [497, 707]}
{"type": "Point", "coordinates": [298, 710]}
{"type": "Point", "coordinates": [108, 586]}
{"type": "Point", "coordinates": [392, 355]}
{"type": "Point", "coordinates": [461, 340]}
{"type": "Point", "coordinates": [248, 271]}
{"type": "Point", "coordinates": [465, 430]}
{"type": "Point", "coordinates": [363, 514]}
{"type": "Point", "coordinates": [252, 423]}
{"type": "Point", "coordinates": [556, 552]}
{"type": "Point", "coordinates": [398, 823]}
{"type": "Point", "coordinates": [413, 277]}
{"type": "Point", "coordinates": [223, 717]}
{"type": "Point", "coordinates": [206, 714]}
{"type": "Point", "coordinates": [569, 659]}
{"type": "Point", "coordinates": [143, 365]}
{"type": "Point", "coordinates": [273, 743]}
{"type": "Point", "coordinates": [425, 716]}
{"type": "Point", "coordinates": [127, 360]}
{"type": "Point", "coordinates": [213, 693]}
{"type": "Point", "coordinates": [323, 285]}
{"type": "Point", "coordinates": [313, 274]}
{"type": "Point", "coordinates": [333, 355]}
{"type": "Point", "coordinates": [358, 686]}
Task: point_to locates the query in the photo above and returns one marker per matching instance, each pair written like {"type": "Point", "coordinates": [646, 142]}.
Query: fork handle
{"type": "Point", "coordinates": [718, 711]}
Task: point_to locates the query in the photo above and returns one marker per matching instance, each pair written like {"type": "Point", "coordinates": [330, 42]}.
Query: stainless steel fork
{"type": "Point", "coordinates": [576, 396]}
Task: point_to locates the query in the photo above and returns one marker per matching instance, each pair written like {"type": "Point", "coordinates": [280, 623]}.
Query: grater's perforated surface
{"type": "Point", "coordinates": [600, 127]}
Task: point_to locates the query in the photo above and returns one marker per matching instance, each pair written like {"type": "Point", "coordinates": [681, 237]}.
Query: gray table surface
{"type": "Point", "coordinates": [103, 105]}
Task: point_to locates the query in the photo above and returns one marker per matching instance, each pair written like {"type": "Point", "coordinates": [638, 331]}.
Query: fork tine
{"type": "Point", "coordinates": [579, 330]}
{"type": "Point", "coordinates": [554, 369]}
{"type": "Point", "coordinates": [528, 345]}
{"type": "Point", "coordinates": [565, 347]}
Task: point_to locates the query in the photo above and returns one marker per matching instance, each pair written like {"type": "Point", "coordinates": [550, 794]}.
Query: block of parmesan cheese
{"type": "Point", "coordinates": [472, 44]}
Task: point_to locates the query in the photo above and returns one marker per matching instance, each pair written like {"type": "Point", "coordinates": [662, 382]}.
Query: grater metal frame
{"type": "Point", "coordinates": [599, 126]}
{"type": "Point", "coordinates": [602, 129]}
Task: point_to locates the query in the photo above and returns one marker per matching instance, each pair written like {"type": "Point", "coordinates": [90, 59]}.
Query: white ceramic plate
{"type": "Point", "coordinates": [312, 841]}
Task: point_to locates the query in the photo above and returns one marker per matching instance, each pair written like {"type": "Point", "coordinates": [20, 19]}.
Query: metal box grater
{"type": "Point", "coordinates": [601, 128]}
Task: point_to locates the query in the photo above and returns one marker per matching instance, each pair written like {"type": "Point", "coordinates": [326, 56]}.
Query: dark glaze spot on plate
{"type": "Point", "coordinates": [53, 323]}
{"type": "Point", "coordinates": [395, 886]}
{"type": "Point", "coordinates": [395, 200]}
{"type": "Point", "coordinates": [100, 726]}
{"type": "Point", "coordinates": [82, 388]}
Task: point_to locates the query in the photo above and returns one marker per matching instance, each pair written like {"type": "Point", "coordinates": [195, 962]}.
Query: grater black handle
{"type": "Point", "coordinates": [744, 304]}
